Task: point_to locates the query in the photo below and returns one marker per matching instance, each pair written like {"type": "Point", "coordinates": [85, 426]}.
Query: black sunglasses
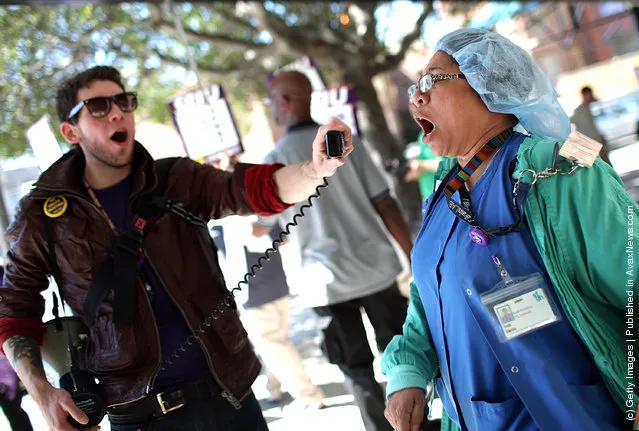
{"type": "Point", "coordinates": [99, 107]}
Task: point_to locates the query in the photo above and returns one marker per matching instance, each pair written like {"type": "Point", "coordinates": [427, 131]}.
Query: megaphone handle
{"type": "Point", "coordinates": [73, 357]}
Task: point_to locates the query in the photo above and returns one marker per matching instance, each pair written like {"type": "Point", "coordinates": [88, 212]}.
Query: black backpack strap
{"type": "Point", "coordinates": [119, 271]}
{"type": "Point", "coordinates": [55, 269]}
{"type": "Point", "coordinates": [99, 290]}
{"type": "Point", "coordinates": [124, 274]}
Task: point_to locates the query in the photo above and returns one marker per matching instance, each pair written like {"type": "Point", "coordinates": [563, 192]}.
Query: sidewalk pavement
{"type": "Point", "coordinates": [341, 412]}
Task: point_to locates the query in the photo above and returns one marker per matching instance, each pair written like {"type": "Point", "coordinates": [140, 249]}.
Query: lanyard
{"type": "Point", "coordinates": [458, 181]}
{"type": "Point", "coordinates": [465, 210]}
{"type": "Point", "coordinates": [137, 226]}
{"type": "Point", "coordinates": [457, 177]}
{"type": "Point", "coordinates": [485, 152]}
{"type": "Point", "coordinates": [97, 203]}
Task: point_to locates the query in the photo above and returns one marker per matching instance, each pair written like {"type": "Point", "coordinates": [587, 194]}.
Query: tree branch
{"type": "Point", "coordinates": [218, 73]}
{"type": "Point", "coordinates": [85, 36]}
{"type": "Point", "coordinates": [285, 38]}
{"type": "Point", "coordinates": [392, 61]}
{"type": "Point", "coordinates": [232, 18]}
{"type": "Point", "coordinates": [168, 28]}
{"type": "Point", "coordinates": [158, 22]}
{"type": "Point", "coordinates": [367, 9]}
{"type": "Point", "coordinates": [169, 59]}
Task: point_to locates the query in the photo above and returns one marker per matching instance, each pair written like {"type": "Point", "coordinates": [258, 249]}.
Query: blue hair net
{"type": "Point", "coordinates": [507, 80]}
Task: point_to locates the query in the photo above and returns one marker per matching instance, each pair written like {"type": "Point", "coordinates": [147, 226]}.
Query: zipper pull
{"type": "Point", "coordinates": [502, 271]}
{"type": "Point", "coordinates": [232, 400]}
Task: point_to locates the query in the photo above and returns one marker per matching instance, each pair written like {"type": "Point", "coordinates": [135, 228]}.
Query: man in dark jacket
{"type": "Point", "coordinates": [88, 198]}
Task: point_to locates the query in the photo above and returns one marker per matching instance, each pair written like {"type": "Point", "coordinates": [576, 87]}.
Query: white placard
{"type": "Point", "coordinates": [336, 102]}
{"type": "Point", "coordinates": [327, 103]}
{"type": "Point", "coordinates": [43, 143]}
{"type": "Point", "coordinates": [346, 113]}
{"type": "Point", "coordinates": [206, 123]}
{"type": "Point", "coordinates": [305, 65]}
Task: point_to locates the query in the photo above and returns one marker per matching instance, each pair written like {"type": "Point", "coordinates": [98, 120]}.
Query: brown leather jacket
{"type": "Point", "coordinates": [126, 358]}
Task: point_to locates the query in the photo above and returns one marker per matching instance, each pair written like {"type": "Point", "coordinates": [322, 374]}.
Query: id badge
{"type": "Point", "coordinates": [520, 305]}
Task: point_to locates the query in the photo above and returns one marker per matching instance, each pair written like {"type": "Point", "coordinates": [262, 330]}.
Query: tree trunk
{"type": "Point", "coordinates": [371, 116]}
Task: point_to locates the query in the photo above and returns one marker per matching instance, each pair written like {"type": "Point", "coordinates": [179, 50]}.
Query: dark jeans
{"type": "Point", "coordinates": [213, 414]}
{"type": "Point", "coordinates": [18, 418]}
{"type": "Point", "coordinates": [346, 345]}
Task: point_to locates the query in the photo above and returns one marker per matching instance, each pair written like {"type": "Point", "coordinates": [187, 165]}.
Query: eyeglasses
{"type": "Point", "coordinates": [426, 82]}
{"type": "Point", "coordinates": [100, 107]}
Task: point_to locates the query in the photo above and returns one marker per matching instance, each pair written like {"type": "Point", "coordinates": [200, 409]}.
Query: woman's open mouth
{"type": "Point", "coordinates": [425, 124]}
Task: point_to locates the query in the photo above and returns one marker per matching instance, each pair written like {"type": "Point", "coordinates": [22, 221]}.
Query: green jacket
{"type": "Point", "coordinates": [584, 226]}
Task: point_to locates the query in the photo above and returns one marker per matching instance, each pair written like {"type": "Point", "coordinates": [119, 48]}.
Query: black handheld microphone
{"type": "Point", "coordinates": [335, 144]}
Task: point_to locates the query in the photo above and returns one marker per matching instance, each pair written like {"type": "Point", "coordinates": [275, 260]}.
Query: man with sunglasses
{"type": "Point", "coordinates": [87, 198]}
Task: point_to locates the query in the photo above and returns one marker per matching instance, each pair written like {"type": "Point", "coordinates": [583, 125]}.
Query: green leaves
{"type": "Point", "coordinates": [234, 44]}
{"type": "Point", "coordinates": [42, 46]}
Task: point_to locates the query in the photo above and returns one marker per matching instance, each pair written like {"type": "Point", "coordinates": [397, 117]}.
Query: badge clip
{"type": "Point", "coordinates": [502, 271]}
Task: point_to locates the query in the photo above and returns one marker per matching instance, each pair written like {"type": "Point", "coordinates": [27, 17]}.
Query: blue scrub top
{"type": "Point", "coordinates": [485, 384]}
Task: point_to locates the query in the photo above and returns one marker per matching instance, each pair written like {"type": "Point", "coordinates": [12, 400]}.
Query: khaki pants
{"type": "Point", "coordinates": [268, 329]}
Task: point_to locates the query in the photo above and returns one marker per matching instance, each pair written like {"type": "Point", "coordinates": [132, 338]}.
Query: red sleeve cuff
{"type": "Point", "coordinates": [10, 326]}
{"type": "Point", "coordinates": [260, 189]}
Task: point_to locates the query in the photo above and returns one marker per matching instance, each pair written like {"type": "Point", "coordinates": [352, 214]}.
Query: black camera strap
{"type": "Point", "coordinates": [55, 270]}
{"type": "Point", "coordinates": [118, 273]}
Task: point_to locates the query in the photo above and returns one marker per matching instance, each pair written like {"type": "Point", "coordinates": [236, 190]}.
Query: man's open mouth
{"type": "Point", "coordinates": [119, 136]}
{"type": "Point", "coordinates": [426, 125]}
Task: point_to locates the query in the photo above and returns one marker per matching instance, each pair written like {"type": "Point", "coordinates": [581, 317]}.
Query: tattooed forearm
{"type": "Point", "coordinates": [21, 347]}
{"type": "Point", "coordinates": [24, 354]}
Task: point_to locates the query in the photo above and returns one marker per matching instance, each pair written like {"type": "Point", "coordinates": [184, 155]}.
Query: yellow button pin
{"type": "Point", "coordinates": [56, 206]}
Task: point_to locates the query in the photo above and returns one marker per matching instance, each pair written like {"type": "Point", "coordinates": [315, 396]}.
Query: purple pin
{"type": "Point", "coordinates": [478, 236]}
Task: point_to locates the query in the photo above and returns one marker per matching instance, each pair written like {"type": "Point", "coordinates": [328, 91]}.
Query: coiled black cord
{"type": "Point", "coordinates": [276, 244]}
{"type": "Point", "coordinates": [229, 299]}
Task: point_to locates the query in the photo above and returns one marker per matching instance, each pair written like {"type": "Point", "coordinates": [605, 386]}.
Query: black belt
{"type": "Point", "coordinates": [154, 406]}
